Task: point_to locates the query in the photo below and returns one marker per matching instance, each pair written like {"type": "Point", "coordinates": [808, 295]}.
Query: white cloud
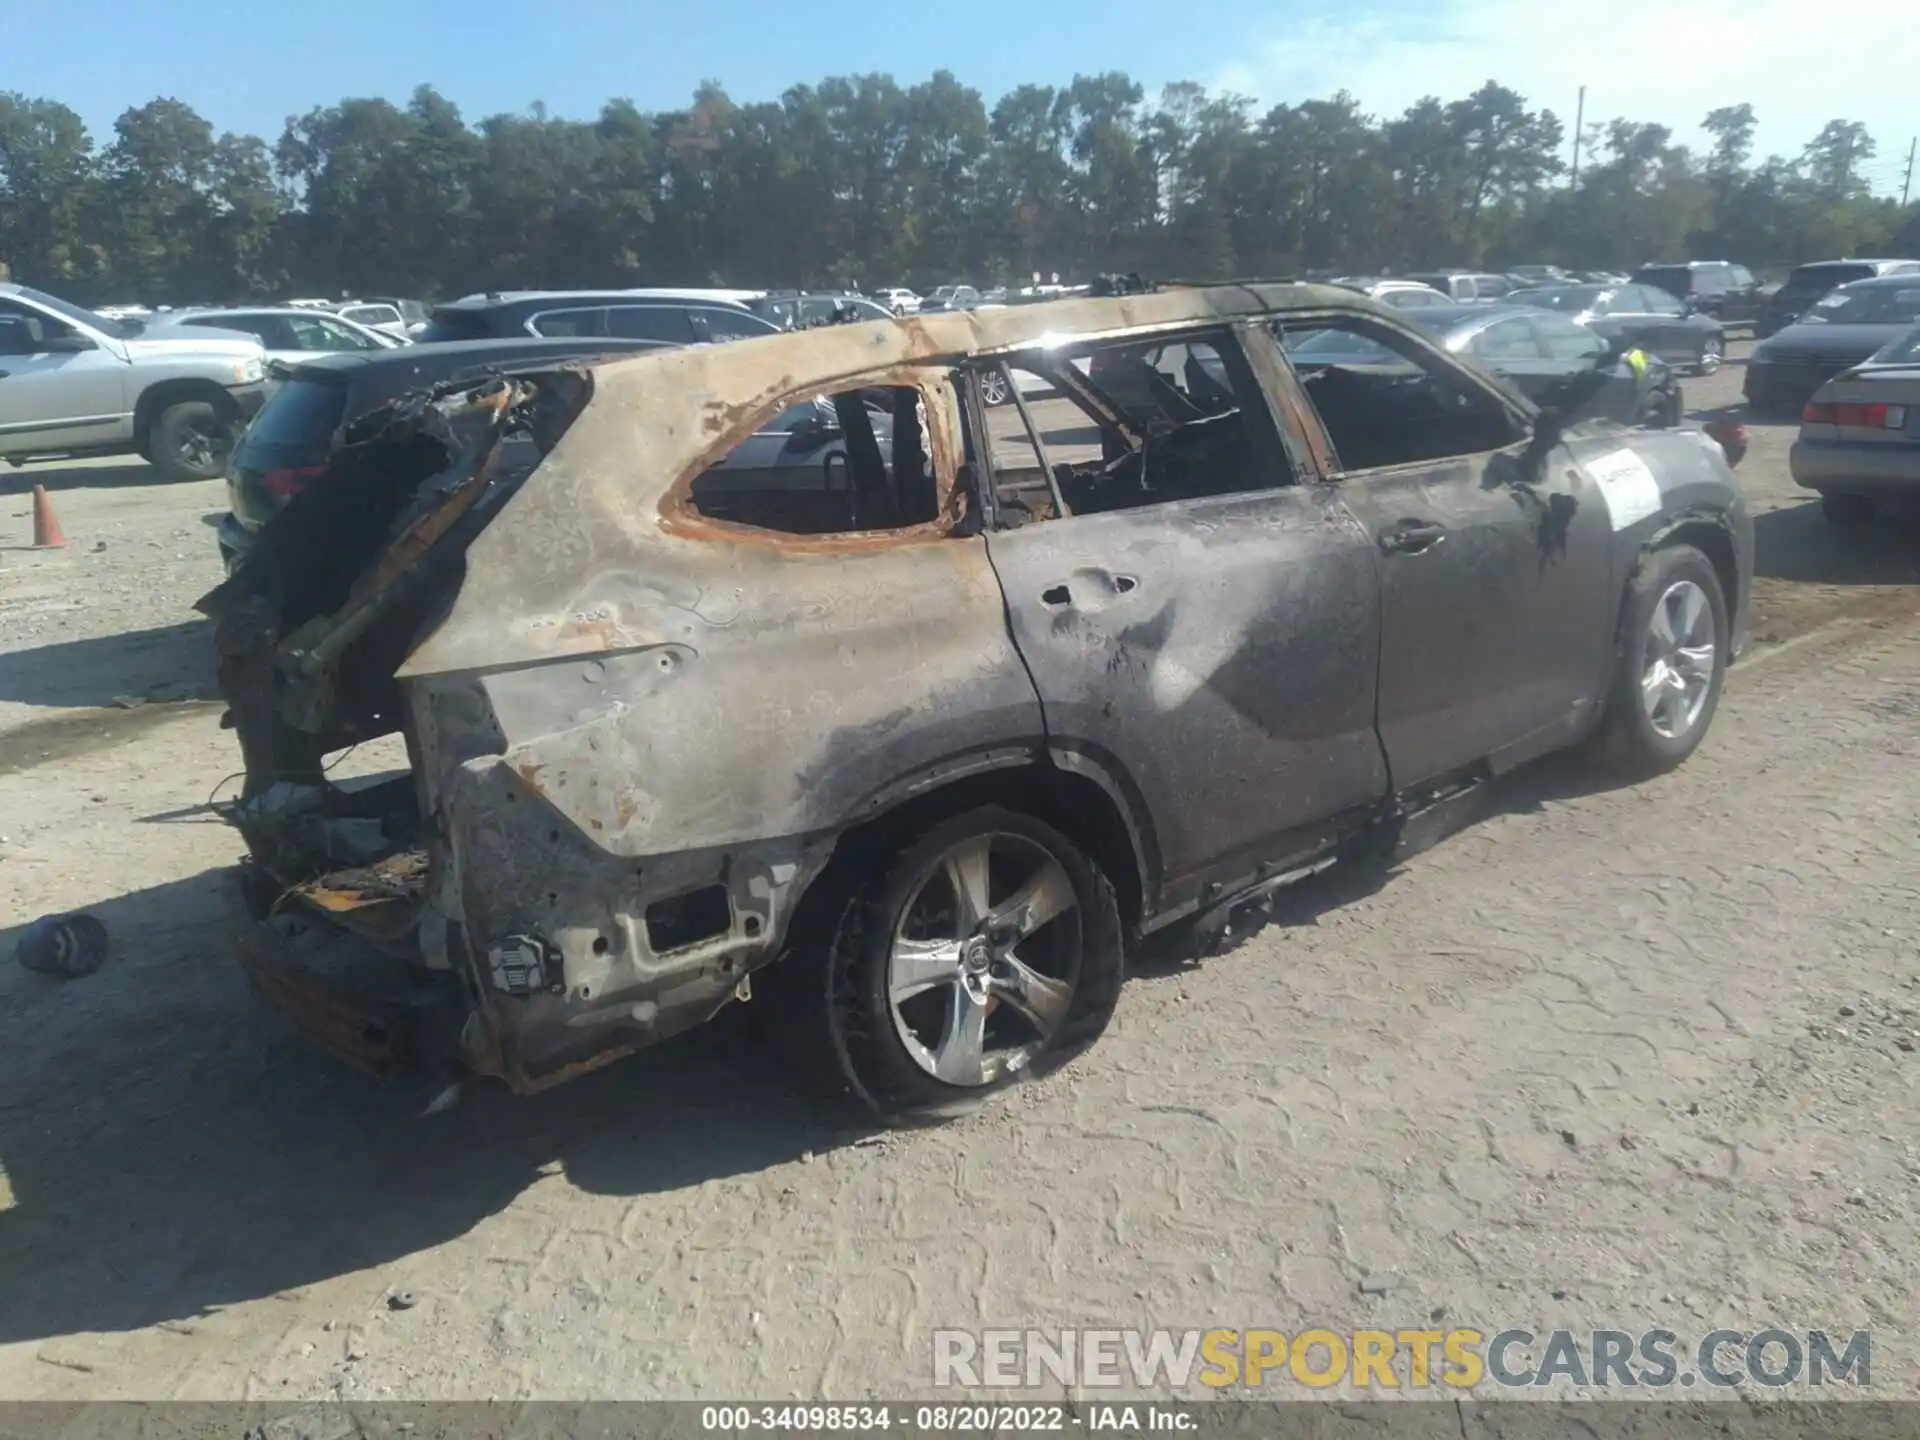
{"type": "Point", "coordinates": [1667, 63]}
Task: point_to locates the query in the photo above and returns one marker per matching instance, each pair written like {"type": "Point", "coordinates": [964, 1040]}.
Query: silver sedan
{"type": "Point", "coordinates": [1859, 440]}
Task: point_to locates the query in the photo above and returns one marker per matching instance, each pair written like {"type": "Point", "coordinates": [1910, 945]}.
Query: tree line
{"type": "Point", "coordinates": [859, 180]}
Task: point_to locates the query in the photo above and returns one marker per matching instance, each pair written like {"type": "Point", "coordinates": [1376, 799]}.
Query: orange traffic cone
{"type": "Point", "coordinates": [47, 534]}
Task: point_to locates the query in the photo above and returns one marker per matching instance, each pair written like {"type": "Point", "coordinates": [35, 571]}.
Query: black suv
{"type": "Point", "coordinates": [571, 314]}
{"type": "Point", "coordinates": [1726, 291]}
{"type": "Point", "coordinates": [1808, 284]}
{"type": "Point", "coordinates": [287, 445]}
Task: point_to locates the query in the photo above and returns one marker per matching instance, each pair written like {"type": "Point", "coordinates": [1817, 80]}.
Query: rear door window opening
{"type": "Point", "coordinates": [846, 462]}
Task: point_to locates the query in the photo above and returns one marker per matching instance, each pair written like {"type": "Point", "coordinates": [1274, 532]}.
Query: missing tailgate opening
{"type": "Point", "coordinates": [687, 920]}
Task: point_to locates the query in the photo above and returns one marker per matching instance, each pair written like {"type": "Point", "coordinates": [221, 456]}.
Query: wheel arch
{"type": "Point", "coordinates": [1711, 533]}
{"type": "Point", "coordinates": [1076, 797]}
{"type": "Point", "coordinates": [156, 399]}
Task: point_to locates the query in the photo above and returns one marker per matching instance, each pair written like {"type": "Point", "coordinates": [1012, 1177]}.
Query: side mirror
{"type": "Point", "coordinates": [1549, 428]}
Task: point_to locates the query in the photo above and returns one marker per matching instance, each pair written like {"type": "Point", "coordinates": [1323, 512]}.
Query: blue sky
{"type": "Point", "coordinates": [248, 66]}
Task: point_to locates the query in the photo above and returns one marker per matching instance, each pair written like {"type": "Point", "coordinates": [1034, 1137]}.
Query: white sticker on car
{"type": "Point", "coordinates": [1628, 487]}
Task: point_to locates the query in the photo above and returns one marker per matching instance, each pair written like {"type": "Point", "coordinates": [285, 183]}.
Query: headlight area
{"type": "Point", "coordinates": [249, 372]}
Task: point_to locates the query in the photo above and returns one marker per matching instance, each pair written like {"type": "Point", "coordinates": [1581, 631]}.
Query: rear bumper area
{"type": "Point", "coordinates": [355, 1005]}
{"type": "Point", "coordinates": [1871, 468]}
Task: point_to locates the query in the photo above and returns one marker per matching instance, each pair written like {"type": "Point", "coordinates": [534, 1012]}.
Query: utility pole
{"type": "Point", "coordinates": [1906, 181]}
{"type": "Point", "coordinates": [1579, 117]}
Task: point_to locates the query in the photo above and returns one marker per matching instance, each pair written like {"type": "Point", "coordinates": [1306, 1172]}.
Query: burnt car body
{"type": "Point", "coordinates": [909, 767]}
{"type": "Point", "coordinates": [286, 447]}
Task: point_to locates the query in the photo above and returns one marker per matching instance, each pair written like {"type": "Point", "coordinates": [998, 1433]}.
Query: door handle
{"type": "Point", "coordinates": [1410, 537]}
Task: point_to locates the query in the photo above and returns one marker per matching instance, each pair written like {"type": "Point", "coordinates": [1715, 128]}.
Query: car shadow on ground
{"type": "Point", "coordinates": [1564, 775]}
{"type": "Point", "coordinates": [168, 1146]}
{"type": "Point", "coordinates": [170, 662]}
{"type": "Point", "coordinates": [112, 474]}
{"type": "Point", "coordinates": [1799, 544]}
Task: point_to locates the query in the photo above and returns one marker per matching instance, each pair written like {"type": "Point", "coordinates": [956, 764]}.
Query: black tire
{"type": "Point", "coordinates": [1629, 738]}
{"type": "Point", "coordinates": [1712, 351]}
{"type": "Point", "coordinates": [1847, 510]}
{"type": "Point", "coordinates": [191, 440]}
{"type": "Point", "coordinates": [994, 391]}
{"type": "Point", "coordinates": [873, 1059]}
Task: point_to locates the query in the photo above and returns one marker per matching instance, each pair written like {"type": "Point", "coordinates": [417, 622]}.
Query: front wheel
{"type": "Point", "coordinates": [993, 388]}
{"type": "Point", "coordinates": [191, 440]}
{"type": "Point", "coordinates": [1671, 663]}
{"type": "Point", "coordinates": [1712, 351]}
{"type": "Point", "coordinates": [990, 949]}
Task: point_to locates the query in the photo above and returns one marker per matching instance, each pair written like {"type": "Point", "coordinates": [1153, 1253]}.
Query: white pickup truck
{"type": "Point", "coordinates": [75, 383]}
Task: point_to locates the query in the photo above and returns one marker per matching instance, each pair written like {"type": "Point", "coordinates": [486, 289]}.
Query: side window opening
{"type": "Point", "coordinates": [1384, 402]}
{"type": "Point", "coordinates": [571, 323]}
{"type": "Point", "coordinates": [1508, 340]}
{"type": "Point", "coordinates": [856, 460]}
{"type": "Point", "coordinates": [1122, 424]}
{"type": "Point", "coordinates": [51, 327]}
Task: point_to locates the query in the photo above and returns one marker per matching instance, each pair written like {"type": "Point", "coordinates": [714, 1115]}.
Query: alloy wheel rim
{"type": "Point", "coordinates": [199, 447]}
{"type": "Point", "coordinates": [1677, 659]}
{"type": "Point", "coordinates": [1710, 356]}
{"type": "Point", "coordinates": [984, 959]}
{"type": "Point", "coordinates": [993, 388]}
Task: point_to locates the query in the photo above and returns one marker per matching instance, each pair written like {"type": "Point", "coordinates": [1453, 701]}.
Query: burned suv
{"type": "Point", "coordinates": [907, 746]}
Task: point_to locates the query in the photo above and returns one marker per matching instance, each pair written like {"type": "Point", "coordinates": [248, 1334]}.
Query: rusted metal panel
{"type": "Point", "coordinates": [336, 1019]}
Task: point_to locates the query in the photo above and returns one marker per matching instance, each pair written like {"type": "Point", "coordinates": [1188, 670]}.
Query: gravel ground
{"type": "Point", "coordinates": [1611, 1057]}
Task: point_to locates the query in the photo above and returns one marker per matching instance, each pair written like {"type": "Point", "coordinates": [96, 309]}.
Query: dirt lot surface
{"type": "Point", "coordinates": [1611, 1057]}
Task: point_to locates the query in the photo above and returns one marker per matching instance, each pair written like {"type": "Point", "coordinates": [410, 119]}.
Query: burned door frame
{"type": "Point", "coordinates": [1210, 661]}
{"type": "Point", "coordinates": [1471, 676]}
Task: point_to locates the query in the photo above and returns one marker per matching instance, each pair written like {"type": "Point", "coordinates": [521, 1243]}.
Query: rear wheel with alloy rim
{"type": "Point", "coordinates": [1711, 352]}
{"type": "Point", "coordinates": [1672, 660]}
{"type": "Point", "coordinates": [993, 388]}
{"type": "Point", "coordinates": [990, 950]}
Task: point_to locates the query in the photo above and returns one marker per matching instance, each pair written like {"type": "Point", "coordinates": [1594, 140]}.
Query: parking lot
{"type": "Point", "coordinates": [1612, 1057]}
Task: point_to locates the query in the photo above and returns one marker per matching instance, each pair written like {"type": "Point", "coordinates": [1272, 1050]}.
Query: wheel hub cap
{"type": "Point", "coordinates": [1678, 659]}
{"type": "Point", "coordinates": [984, 960]}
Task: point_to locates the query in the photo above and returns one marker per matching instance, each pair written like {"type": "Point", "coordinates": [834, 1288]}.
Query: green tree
{"type": "Point", "coordinates": [46, 172]}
